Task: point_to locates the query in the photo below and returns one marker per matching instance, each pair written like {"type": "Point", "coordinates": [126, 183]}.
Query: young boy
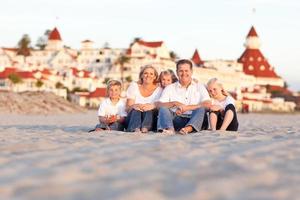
{"type": "Point", "coordinates": [111, 111]}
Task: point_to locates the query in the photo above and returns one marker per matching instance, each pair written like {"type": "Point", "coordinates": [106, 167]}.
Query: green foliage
{"type": "Point", "coordinates": [39, 83]}
{"type": "Point", "coordinates": [78, 89]}
{"type": "Point", "coordinates": [106, 80]}
{"type": "Point", "coordinates": [122, 60]}
{"type": "Point", "coordinates": [59, 85]}
{"type": "Point", "coordinates": [173, 55]}
{"type": "Point", "coordinates": [128, 79]}
{"type": "Point", "coordinates": [15, 78]}
{"type": "Point", "coordinates": [24, 46]}
{"type": "Point", "coordinates": [42, 40]}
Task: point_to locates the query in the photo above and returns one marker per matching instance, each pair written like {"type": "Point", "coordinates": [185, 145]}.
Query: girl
{"type": "Point", "coordinates": [111, 111]}
{"type": "Point", "coordinates": [222, 111]}
{"type": "Point", "coordinates": [166, 78]}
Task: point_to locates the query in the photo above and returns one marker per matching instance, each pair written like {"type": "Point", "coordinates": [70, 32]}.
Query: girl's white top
{"type": "Point", "coordinates": [107, 108]}
{"type": "Point", "coordinates": [133, 92]}
{"type": "Point", "coordinates": [228, 100]}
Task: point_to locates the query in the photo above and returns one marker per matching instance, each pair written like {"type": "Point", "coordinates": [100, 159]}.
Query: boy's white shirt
{"type": "Point", "coordinates": [228, 100]}
{"type": "Point", "coordinates": [107, 108]}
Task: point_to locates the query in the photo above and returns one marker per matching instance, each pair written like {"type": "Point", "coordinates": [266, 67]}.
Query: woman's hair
{"type": "Point", "coordinates": [112, 83]}
{"type": "Point", "coordinates": [215, 80]}
{"type": "Point", "coordinates": [168, 72]}
{"type": "Point", "coordinates": [143, 70]}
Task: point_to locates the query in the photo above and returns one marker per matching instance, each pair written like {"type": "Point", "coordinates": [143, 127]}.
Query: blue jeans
{"type": "Point", "coordinates": [169, 119]}
{"type": "Point", "coordinates": [116, 126]}
{"type": "Point", "coordinates": [137, 119]}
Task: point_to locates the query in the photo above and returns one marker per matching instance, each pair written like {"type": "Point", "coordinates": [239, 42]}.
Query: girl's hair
{"type": "Point", "coordinates": [112, 83]}
{"type": "Point", "coordinates": [215, 80]}
{"type": "Point", "coordinates": [143, 70]}
{"type": "Point", "coordinates": [168, 72]}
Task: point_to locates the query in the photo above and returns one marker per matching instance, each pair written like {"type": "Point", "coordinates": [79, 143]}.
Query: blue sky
{"type": "Point", "coordinates": [217, 27]}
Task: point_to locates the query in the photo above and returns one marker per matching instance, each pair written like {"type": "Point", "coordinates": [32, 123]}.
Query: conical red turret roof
{"type": "Point", "coordinates": [252, 32]}
{"type": "Point", "coordinates": [254, 62]}
{"type": "Point", "coordinates": [196, 58]}
{"type": "Point", "coordinates": [54, 35]}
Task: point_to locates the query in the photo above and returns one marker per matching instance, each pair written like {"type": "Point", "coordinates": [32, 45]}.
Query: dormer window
{"type": "Point", "coordinates": [251, 59]}
{"type": "Point", "coordinates": [259, 59]}
{"type": "Point", "coordinates": [250, 67]}
{"type": "Point", "coordinates": [262, 67]}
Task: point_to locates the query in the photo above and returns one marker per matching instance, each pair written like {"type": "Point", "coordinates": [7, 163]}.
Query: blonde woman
{"type": "Point", "coordinates": [141, 101]}
{"type": "Point", "coordinates": [222, 111]}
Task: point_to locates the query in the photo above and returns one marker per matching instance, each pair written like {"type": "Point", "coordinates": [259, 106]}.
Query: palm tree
{"type": "Point", "coordinates": [42, 40]}
{"type": "Point", "coordinates": [122, 59]}
{"type": "Point", "coordinates": [24, 46]}
{"type": "Point", "coordinates": [173, 55]}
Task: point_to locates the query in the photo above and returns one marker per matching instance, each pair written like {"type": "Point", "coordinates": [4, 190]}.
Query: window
{"type": "Point", "coordinates": [262, 67]}
{"type": "Point", "coordinates": [250, 67]}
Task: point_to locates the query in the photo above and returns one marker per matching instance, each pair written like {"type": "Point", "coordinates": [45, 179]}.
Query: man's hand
{"type": "Point", "coordinates": [177, 104]}
{"type": "Point", "coordinates": [181, 109]}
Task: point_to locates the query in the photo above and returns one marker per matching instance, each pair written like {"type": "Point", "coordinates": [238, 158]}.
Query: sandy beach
{"type": "Point", "coordinates": [53, 157]}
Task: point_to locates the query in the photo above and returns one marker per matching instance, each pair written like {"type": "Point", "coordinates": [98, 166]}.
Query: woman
{"type": "Point", "coordinates": [141, 98]}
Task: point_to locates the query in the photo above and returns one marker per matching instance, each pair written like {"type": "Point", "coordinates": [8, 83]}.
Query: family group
{"type": "Point", "coordinates": [167, 103]}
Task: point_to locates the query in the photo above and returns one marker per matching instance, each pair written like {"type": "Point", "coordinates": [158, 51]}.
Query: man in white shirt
{"type": "Point", "coordinates": [182, 104]}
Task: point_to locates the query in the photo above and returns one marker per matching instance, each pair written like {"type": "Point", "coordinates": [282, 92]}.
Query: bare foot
{"type": "Point", "coordinates": [137, 130]}
{"type": "Point", "coordinates": [186, 130]}
{"type": "Point", "coordinates": [169, 131]}
{"type": "Point", "coordinates": [144, 130]}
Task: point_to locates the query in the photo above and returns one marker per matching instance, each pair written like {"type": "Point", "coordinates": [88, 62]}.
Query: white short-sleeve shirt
{"type": "Point", "coordinates": [228, 100]}
{"type": "Point", "coordinates": [108, 108]}
{"type": "Point", "coordinates": [133, 92]}
{"type": "Point", "coordinates": [194, 94]}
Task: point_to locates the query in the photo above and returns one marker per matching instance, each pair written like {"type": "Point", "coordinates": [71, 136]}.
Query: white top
{"type": "Point", "coordinates": [133, 92]}
{"type": "Point", "coordinates": [194, 94]}
{"type": "Point", "coordinates": [228, 100]}
{"type": "Point", "coordinates": [107, 108]}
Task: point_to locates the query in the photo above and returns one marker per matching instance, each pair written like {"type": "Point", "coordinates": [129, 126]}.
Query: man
{"type": "Point", "coordinates": [182, 104]}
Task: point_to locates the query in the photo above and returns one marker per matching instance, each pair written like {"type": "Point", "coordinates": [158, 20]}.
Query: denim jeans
{"type": "Point", "coordinates": [137, 119]}
{"type": "Point", "coordinates": [169, 119]}
{"type": "Point", "coordinates": [116, 126]}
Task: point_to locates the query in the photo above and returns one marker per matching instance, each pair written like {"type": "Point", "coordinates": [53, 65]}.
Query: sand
{"type": "Point", "coordinates": [53, 157]}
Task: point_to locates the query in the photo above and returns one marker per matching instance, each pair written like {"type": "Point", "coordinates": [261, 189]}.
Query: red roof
{"type": "Point", "coordinates": [75, 72]}
{"type": "Point", "coordinates": [44, 71]}
{"type": "Point", "coordinates": [10, 49]}
{"type": "Point", "coordinates": [26, 74]}
{"type": "Point", "coordinates": [99, 92]}
{"type": "Point", "coordinates": [258, 100]}
{"type": "Point", "coordinates": [260, 65]}
{"type": "Point", "coordinates": [196, 58]}
{"type": "Point", "coordinates": [252, 32]}
{"type": "Point", "coordinates": [150, 44]}
{"type": "Point", "coordinates": [10, 70]}
{"type": "Point", "coordinates": [274, 88]}
{"type": "Point", "coordinates": [54, 35]}
{"type": "Point", "coordinates": [7, 71]}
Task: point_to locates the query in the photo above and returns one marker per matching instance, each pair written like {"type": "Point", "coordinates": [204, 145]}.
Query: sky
{"type": "Point", "coordinates": [217, 28]}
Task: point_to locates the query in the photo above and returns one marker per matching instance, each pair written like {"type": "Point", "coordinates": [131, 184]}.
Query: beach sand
{"type": "Point", "coordinates": [53, 157]}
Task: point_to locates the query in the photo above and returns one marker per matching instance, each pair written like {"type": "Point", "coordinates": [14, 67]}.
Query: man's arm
{"type": "Point", "coordinates": [170, 104]}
